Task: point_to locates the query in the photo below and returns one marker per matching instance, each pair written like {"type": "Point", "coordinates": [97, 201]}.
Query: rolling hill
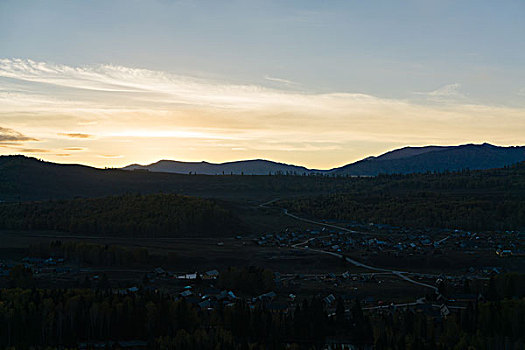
{"type": "Point", "coordinates": [246, 167]}
{"type": "Point", "coordinates": [401, 161]}
{"type": "Point", "coordinates": [434, 158]}
{"type": "Point", "coordinates": [24, 178]}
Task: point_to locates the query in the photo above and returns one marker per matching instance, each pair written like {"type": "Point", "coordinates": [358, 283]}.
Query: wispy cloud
{"type": "Point", "coordinates": [280, 80]}
{"type": "Point", "coordinates": [8, 135]}
{"type": "Point", "coordinates": [33, 150]}
{"type": "Point", "coordinates": [76, 135]}
{"type": "Point", "coordinates": [142, 115]}
{"type": "Point", "coordinates": [117, 88]}
{"type": "Point", "coordinates": [110, 156]}
{"type": "Point", "coordinates": [446, 92]}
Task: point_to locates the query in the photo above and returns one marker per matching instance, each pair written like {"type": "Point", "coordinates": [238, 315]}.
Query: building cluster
{"type": "Point", "coordinates": [398, 241]}
{"type": "Point", "coordinates": [37, 266]}
{"type": "Point", "coordinates": [200, 291]}
{"type": "Point", "coordinates": [160, 273]}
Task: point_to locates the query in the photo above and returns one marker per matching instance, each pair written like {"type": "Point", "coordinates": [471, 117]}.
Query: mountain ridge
{"type": "Point", "coordinates": [25, 178]}
{"type": "Point", "coordinates": [404, 160]}
{"type": "Point", "coordinates": [256, 167]}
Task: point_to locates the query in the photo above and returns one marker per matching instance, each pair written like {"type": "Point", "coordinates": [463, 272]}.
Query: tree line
{"type": "Point", "coordinates": [252, 280]}
{"type": "Point", "coordinates": [66, 317]}
{"type": "Point", "coordinates": [488, 325]}
{"type": "Point", "coordinates": [153, 215]}
{"type": "Point", "coordinates": [91, 253]}
{"type": "Point", "coordinates": [35, 317]}
{"type": "Point", "coordinates": [417, 210]}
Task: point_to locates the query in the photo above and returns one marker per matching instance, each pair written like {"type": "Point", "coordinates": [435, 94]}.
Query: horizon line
{"type": "Point", "coordinates": [258, 159]}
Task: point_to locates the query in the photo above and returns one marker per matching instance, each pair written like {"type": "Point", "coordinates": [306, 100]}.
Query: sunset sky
{"type": "Point", "coordinates": [314, 83]}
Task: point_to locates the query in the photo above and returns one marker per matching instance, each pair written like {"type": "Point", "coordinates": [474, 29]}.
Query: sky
{"type": "Point", "coordinates": [318, 83]}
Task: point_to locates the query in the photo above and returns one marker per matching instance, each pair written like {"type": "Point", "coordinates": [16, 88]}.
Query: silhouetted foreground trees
{"type": "Point", "coordinates": [66, 317]}
{"type": "Point", "coordinates": [252, 280]}
{"type": "Point", "coordinates": [496, 323]}
{"type": "Point", "coordinates": [33, 317]}
{"type": "Point", "coordinates": [127, 215]}
{"type": "Point", "coordinates": [490, 325]}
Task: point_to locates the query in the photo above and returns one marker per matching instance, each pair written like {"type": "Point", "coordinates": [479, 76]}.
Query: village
{"type": "Point", "coordinates": [199, 290]}
{"type": "Point", "coordinates": [349, 284]}
{"type": "Point", "coordinates": [374, 239]}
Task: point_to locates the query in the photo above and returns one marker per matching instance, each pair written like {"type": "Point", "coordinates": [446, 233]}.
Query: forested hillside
{"type": "Point", "coordinates": [128, 215]}
{"type": "Point", "coordinates": [479, 200]}
{"type": "Point", "coordinates": [484, 199]}
{"type": "Point", "coordinates": [23, 179]}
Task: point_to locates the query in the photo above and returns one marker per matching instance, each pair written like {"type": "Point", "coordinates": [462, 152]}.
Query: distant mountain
{"type": "Point", "coordinates": [435, 158]}
{"type": "Point", "coordinates": [401, 161]}
{"type": "Point", "coordinates": [406, 152]}
{"type": "Point", "coordinates": [246, 167]}
{"type": "Point", "coordinates": [24, 178]}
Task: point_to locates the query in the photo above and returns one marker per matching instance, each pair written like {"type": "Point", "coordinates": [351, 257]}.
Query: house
{"type": "Point", "coordinates": [443, 309]}
{"type": "Point", "coordinates": [186, 293]}
{"type": "Point", "coordinates": [503, 253]}
{"type": "Point", "coordinates": [133, 344]}
{"type": "Point", "coordinates": [329, 300]}
{"type": "Point", "coordinates": [127, 344]}
{"type": "Point", "coordinates": [222, 295]}
{"type": "Point", "coordinates": [344, 342]}
{"type": "Point", "coordinates": [369, 300]}
{"type": "Point", "coordinates": [426, 241]}
{"type": "Point", "coordinates": [127, 290]}
{"type": "Point", "coordinates": [205, 305]}
{"type": "Point", "coordinates": [188, 276]}
{"type": "Point", "coordinates": [159, 271]}
{"type": "Point", "coordinates": [267, 297]}
{"type": "Point", "coordinates": [212, 274]}
{"type": "Point", "coordinates": [212, 291]}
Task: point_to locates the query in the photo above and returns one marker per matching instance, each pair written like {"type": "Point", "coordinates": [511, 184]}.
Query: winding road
{"type": "Point", "coordinates": [301, 245]}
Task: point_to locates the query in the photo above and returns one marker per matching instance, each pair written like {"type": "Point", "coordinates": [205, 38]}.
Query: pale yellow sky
{"type": "Point", "coordinates": [112, 116]}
